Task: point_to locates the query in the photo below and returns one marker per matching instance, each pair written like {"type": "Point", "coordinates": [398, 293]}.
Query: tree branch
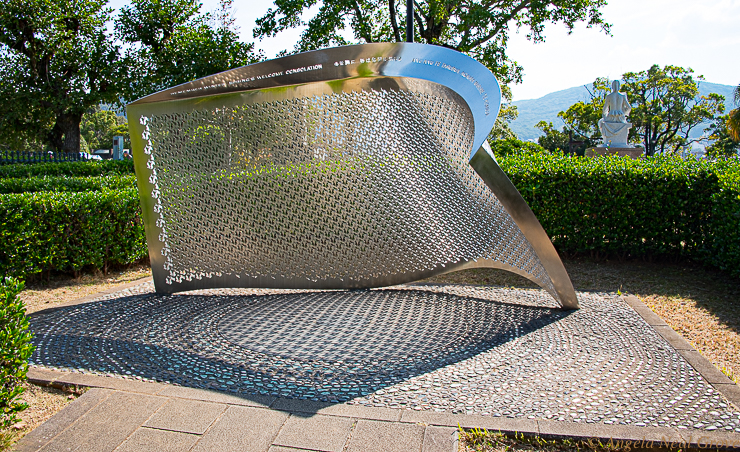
{"type": "Point", "coordinates": [394, 21]}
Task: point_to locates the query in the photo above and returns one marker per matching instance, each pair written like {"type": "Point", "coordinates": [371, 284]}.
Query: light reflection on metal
{"type": "Point", "coordinates": [351, 167]}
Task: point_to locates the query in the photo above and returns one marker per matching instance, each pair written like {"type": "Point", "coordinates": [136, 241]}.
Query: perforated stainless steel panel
{"type": "Point", "coordinates": [352, 183]}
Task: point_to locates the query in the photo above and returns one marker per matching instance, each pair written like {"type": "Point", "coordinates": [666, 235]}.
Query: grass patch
{"type": "Point", "coordinates": [482, 440]}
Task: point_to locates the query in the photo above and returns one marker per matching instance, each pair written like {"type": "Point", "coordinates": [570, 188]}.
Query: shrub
{"type": "Point", "coordinates": [662, 206]}
{"type": "Point", "coordinates": [503, 148]}
{"type": "Point", "coordinates": [69, 231]}
{"type": "Point", "coordinates": [67, 183]}
{"type": "Point", "coordinates": [74, 169]}
{"type": "Point", "coordinates": [15, 350]}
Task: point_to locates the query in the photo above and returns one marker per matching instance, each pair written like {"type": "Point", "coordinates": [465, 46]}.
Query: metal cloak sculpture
{"type": "Point", "coordinates": [351, 167]}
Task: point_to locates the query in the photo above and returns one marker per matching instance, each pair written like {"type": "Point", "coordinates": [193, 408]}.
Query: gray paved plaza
{"type": "Point", "coordinates": [427, 350]}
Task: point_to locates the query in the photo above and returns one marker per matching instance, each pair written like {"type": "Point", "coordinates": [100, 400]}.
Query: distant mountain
{"type": "Point", "coordinates": [546, 108]}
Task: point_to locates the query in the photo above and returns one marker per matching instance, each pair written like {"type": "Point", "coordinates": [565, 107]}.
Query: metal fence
{"type": "Point", "coordinates": [11, 157]}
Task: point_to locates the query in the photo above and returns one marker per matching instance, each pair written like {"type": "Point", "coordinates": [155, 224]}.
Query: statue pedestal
{"type": "Point", "coordinates": [634, 153]}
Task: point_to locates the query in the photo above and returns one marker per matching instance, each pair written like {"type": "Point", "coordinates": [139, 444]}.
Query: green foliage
{"type": "Point", "coordinates": [582, 118]}
{"type": "Point", "coordinates": [723, 144]}
{"type": "Point", "coordinates": [733, 120]}
{"type": "Point", "coordinates": [501, 129]}
{"type": "Point", "coordinates": [553, 140]}
{"type": "Point", "coordinates": [69, 231]}
{"type": "Point", "coordinates": [657, 207]}
{"type": "Point", "coordinates": [478, 28]}
{"type": "Point", "coordinates": [15, 350]}
{"type": "Point", "coordinates": [667, 106]}
{"type": "Point", "coordinates": [71, 169]}
{"type": "Point", "coordinates": [99, 127]}
{"type": "Point", "coordinates": [173, 43]}
{"type": "Point", "coordinates": [57, 60]}
{"type": "Point", "coordinates": [503, 148]}
{"type": "Point", "coordinates": [67, 184]}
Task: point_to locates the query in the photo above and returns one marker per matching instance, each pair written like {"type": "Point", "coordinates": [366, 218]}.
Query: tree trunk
{"type": "Point", "coordinates": [65, 135]}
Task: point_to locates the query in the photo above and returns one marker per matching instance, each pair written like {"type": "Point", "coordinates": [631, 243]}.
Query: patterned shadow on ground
{"type": "Point", "coordinates": [326, 346]}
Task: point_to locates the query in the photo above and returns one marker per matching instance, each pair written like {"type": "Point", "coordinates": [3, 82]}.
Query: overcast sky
{"type": "Point", "coordinates": [702, 35]}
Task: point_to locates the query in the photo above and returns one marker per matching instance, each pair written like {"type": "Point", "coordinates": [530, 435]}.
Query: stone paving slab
{"type": "Point", "coordinates": [440, 439]}
{"type": "Point", "coordinates": [318, 432]}
{"type": "Point", "coordinates": [379, 436]}
{"type": "Point", "coordinates": [44, 433]}
{"type": "Point", "coordinates": [185, 416]}
{"type": "Point", "coordinates": [243, 429]}
{"type": "Point", "coordinates": [107, 425]}
{"type": "Point", "coordinates": [152, 440]}
{"type": "Point", "coordinates": [691, 383]}
{"type": "Point", "coordinates": [251, 428]}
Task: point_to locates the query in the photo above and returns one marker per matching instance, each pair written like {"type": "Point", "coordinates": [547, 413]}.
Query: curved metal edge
{"type": "Point", "coordinates": [484, 163]}
{"type": "Point", "coordinates": [457, 71]}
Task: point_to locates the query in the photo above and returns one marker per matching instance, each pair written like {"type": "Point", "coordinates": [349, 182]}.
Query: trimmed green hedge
{"type": "Point", "coordinates": [73, 169]}
{"type": "Point", "coordinates": [657, 207]}
{"type": "Point", "coordinates": [67, 184]}
{"type": "Point", "coordinates": [610, 206]}
{"type": "Point", "coordinates": [15, 350]}
{"type": "Point", "coordinates": [69, 231]}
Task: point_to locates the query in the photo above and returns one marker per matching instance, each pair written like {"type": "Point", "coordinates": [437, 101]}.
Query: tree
{"type": "Point", "coordinates": [57, 61]}
{"type": "Point", "coordinates": [501, 128]}
{"type": "Point", "coordinates": [582, 118]}
{"type": "Point", "coordinates": [723, 144]}
{"type": "Point", "coordinates": [667, 106]}
{"type": "Point", "coordinates": [553, 140]}
{"type": "Point", "coordinates": [171, 42]}
{"type": "Point", "coordinates": [479, 28]}
{"type": "Point", "coordinates": [99, 127]}
{"type": "Point", "coordinates": [733, 119]}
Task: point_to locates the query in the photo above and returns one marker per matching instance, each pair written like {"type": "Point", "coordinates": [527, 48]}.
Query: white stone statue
{"type": "Point", "coordinates": [614, 127]}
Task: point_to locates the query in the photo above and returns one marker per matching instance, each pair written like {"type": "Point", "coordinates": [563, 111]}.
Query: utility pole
{"type": "Point", "coordinates": [409, 20]}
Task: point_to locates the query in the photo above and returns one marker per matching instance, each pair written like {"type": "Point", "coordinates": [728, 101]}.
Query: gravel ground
{"type": "Point", "coordinates": [472, 350]}
{"type": "Point", "coordinates": [701, 304]}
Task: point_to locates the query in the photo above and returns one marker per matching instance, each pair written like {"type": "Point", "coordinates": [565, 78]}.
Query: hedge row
{"type": "Point", "coordinates": [69, 231]}
{"type": "Point", "coordinates": [67, 184]}
{"type": "Point", "coordinates": [662, 206]}
{"type": "Point", "coordinates": [73, 169]}
{"type": "Point", "coordinates": [602, 206]}
{"type": "Point", "coordinates": [15, 350]}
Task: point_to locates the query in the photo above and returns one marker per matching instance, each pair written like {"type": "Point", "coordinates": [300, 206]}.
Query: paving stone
{"type": "Point", "coordinates": [98, 381]}
{"type": "Point", "coordinates": [643, 436]}
{"type": "Point", "coordinates": [45, 432]}
{"type": "Point", "coordinates": [188, 416]}
{"type": "Point", "coordinates": [289, 449]}
{"type": "Point", "coordinates": [379, 436]}
{"type": "Point", "coordinates": [731, 391]}
{"type": "Point", "coordinates": [108, 424]}
{"type": "Point", "coordinates": [440, 439]}
{"type": "Point", "coordinates": [341, 409]}
{"type": "Point", "coordinates": [494, 424]}
{"type": "Point", "coordinates": [254, 400]}
{"type": "Point", "coordinates": [676, 340]}
{"type": "Point", "coordinates": [41, 377]}
{"type": "Point", "coordinates": [242, 429]}
{"type": "Point", "coordinates": [703, 365]}
{"type": "Point", "coordinates": [152, 440]}
{"type": "Point", "coordinates": [324, 433]}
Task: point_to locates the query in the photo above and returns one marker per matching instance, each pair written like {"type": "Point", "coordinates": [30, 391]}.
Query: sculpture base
{"type": "Point", "coordinates": [634, 153]}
